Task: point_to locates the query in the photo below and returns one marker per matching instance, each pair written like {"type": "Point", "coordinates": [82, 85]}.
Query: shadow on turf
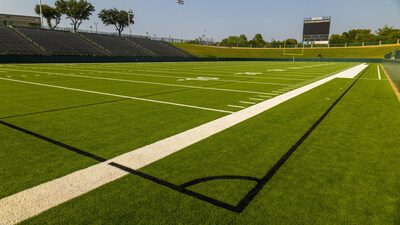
{"type": "Point", "coordinates": [243, 203]}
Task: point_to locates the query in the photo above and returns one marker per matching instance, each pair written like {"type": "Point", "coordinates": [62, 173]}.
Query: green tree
{"type": "Point", "coordinates": [77, 11]}
{"type": "Point", "coordinates": [257, 40]}
{"type": "Point", "coordinates": [235, 41]}
{"type": "Point", "coordinates": [49, 13]}
{"type": "Point", "coordinates": [388, 33]}
{"type": "Point", "coordinates": [117, 18]}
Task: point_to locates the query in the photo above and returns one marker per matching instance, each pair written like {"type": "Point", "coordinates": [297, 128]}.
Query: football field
{"type": "Point", "coordinates": [198, 142]}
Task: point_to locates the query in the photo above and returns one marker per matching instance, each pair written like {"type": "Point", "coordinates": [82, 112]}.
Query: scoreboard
{"type": "Point", "coordinates": [316, 30]}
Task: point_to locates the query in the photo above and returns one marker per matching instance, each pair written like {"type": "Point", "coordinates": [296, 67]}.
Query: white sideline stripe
{"type": "Point", "coordinates": [379, 73]}
{"type": "Point", "coordinates": [257, 99]}
{"type": "Point", "coordinates": [115, 95]}
{"type": "Point", "coordinates": [146, 82]}
{"type": "Point", "coordinates": [236, 106]}
{"type": "Point", "coordinates": [30, 202]}
{"type": "Point", "coordinates": [251, 103]}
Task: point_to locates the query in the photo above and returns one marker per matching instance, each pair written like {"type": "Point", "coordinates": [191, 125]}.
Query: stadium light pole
{"type": "Point", "coordinates": [129, 17]}
{"type": "Point", "coordinates": [41, 13]}
{"type": "Point", "coordinates": [95, 23]}
{"type": "Point", "coordinates": [180, 2]}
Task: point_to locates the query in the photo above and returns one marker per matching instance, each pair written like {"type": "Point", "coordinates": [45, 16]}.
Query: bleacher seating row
{"type": "Point", "coordinates": [12, 43]}
{"type": "Point", "coordinates": [52, 42]}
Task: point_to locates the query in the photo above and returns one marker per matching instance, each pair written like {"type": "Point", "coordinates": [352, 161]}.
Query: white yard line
{"type": "Point", "coordinates": [236, 106]}
{"type": "Point", "coordinates": [250, 103]}
{"type": "Point", "coordinates": [257, 99]}
{"type": "Point", "coordinates": [133, 72]}
{"type": "Point", "coordinates": [31, 202]}
{"type": "Point", "coordinates": [379, 73]}
{"type": "Point", "coordinates": [115, 95]}
{"type": "Point", "coordinates": [151, 83]}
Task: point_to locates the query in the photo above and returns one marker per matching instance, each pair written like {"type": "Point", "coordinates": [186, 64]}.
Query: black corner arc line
{"type": "Point", "coordinates": [176, 187]}
{"type": "Point", "coordinates": [52, 141]}
{"type": "Point", "coordinates": [252, 193]}
{"type": "Point", "coordinates": [206, 179]}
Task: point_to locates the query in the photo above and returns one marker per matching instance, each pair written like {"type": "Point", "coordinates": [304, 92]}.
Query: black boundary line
{"type": "Point", "coordinates": [250, 196]}
{"type": "Point", "coordinates": [244, 202]}
{"type": "Point", "coordinates": [72, 107]}
{"type": "Point", "coordinates": [73, 149]}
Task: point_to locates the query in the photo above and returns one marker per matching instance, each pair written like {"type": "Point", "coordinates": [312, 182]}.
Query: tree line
{"type": "Point", "coordinates": [78, 11]}
{"type": "Point", "coordinates": [355, 35]}
{"type": "Point", "coordinates": [365, 35]}
{"type": "Point", "coordinates": [242, 41]}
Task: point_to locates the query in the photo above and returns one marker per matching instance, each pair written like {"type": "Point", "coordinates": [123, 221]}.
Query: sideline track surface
{"type": "Point", "coordinates": [28, 203]}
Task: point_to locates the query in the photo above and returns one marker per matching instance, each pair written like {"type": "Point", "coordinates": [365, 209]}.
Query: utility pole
{"type": "Point", "coordinates": [180, 2]}
{"type": "Point", "coordinates": [95, 23]}
{"type": "Point", "coordinates": [41, 14]}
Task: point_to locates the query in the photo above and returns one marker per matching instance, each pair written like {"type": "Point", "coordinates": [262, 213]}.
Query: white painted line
{"type": "Point", "coordinates": [152, 83]}
{"type": "Point", "coordinates": [31, 202]}
{"type": "Point", "coordinates": [115, 95]}
{"type": "Point", "coordinates": [250, 103]}
{"type": "Point", "coordinates": [263, 96]}
{"type": "Point", "coordinates": [236, 106]}
{"type": "Point", "coordinates": [379, 73]}
{"type": "Point", "coordinates": [280, 92]}
{"type": "Point", "coordinates": [257, 99]}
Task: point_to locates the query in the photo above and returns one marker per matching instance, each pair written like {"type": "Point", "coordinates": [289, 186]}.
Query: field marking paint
{"type": "Point", "coordinates": [257, 99]}
{"type": "Point", "coordinates": [379, 73]}
{"type": "Point", "coordinates": [31, 202]}
{"type": "Point", "coordinates": [250, 103]}
{"type": "Point", "coordinates": [162, 71]}
{"type": "Point", "coordinates": [200, 79]}
{"type": "Point", "coordinates": [154, 83]}
{"type": "Point", "coordinates": [116, 95]}
{"type": "Point", "coordinates": [236, 106]}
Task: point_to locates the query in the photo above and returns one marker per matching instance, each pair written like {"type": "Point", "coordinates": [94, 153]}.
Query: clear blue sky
{"type": "Point", "coordinates": [276, 19]}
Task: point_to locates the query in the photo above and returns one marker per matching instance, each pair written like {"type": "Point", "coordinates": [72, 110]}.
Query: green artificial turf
{"type": "Point", "coordinates": [110, 126]}
{"type": "Point", "coordinates": [377, 52]}
{"type": "Point", "coordinates": [346, 172]}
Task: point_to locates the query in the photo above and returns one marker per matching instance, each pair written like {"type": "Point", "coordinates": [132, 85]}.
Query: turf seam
{"type": "Point", "coordinates": [52, 141]}
{"type": "Point", "coordinates": [72, 107]}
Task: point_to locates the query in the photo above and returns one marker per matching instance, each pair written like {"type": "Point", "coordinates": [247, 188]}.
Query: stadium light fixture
{"type": "Point", "coordinates": [180, 2]}
{"type": "Point", "coordinates": [41, 13]}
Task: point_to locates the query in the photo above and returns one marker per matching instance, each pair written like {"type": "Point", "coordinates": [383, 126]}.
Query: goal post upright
{"type": "Point", "coordinates": [292, 54]}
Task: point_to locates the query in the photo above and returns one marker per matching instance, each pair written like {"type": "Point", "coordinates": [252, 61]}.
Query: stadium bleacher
{"type": "Point", "coordinates": [61, 42]}
{"type": "Point", "coordinates": [116, 45]}
{"type": "Point", "coordinates": [54, 42]}
{"type": "Point", "coordinates": [12, 43]}
{"type": "Point", "coordinates": [160, 48]}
